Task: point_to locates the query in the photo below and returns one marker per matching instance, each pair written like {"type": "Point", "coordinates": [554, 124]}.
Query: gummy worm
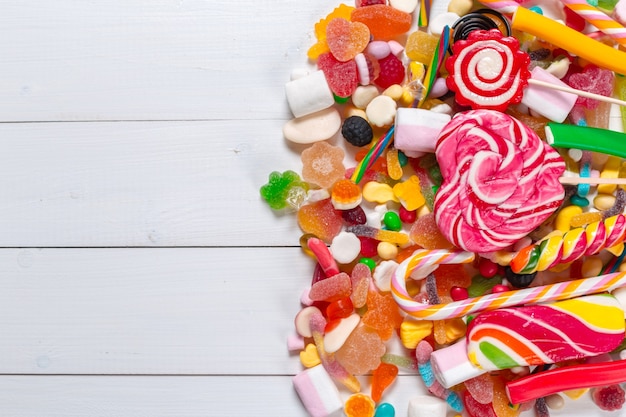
{"type": "Point", "coordinates": [425, 369]}
{"type": "Point", "coordinates": [421, 263]}
{"type": "Point", "coordinates": [573, 245]}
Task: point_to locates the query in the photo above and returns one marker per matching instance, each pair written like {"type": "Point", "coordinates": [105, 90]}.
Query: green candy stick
{"type": "Point", "coordinates": [586, 138]}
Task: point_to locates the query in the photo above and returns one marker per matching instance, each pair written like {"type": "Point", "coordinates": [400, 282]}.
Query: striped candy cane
{"type": "Point", "coordinates": [422, 262]}
{"type": "Point", "coordinates": [598, 19]}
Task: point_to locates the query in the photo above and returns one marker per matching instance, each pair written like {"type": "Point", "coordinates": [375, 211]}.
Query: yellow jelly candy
{"type": "Point", "coordinates": [409, 193]}
{"type": "Point", "coordinates": [343, 11]}
{"type": "Point", "coordinates": [309, 356]}
{"type": "Point", "coordinates": [421, 46]}
{"type": "Point", "coordinates": [377, 192]}
{"type": "Point", "coordinates": [414, 331]}
{"type": "Point", "coordinates": [393, 164]}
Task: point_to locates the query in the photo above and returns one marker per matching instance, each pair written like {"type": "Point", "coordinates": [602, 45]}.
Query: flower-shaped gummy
{"type": "Point", "coordinates": [281, 187]}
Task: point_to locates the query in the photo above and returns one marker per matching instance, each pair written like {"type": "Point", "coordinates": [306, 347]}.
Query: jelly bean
{"type": "Point", "coordinates": [407, 216]}
{"type": "Point", "coordinates": [371, 264]}
{"type": "Point", "coordinates": [459, 293]}
{"type": "Point", "coordinates": [392, 221]}
{"type": "Point", "coordinates": [387, 250]}
{"type": "Point", "coordinates": [487, 268]}
{"type": "Point", "coordinates": [385, 410]}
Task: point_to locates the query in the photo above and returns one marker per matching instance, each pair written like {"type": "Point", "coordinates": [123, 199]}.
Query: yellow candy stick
{"type": "Point", "coordinates": [569, 39]}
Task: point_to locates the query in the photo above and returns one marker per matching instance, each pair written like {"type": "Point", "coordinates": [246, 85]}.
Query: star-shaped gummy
{"type": "Point", "coordinates": [382, 314]}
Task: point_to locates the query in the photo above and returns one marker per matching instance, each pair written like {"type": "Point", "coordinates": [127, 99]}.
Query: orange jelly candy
{"type": "Point", "coordinates": [346, 39]}
{"type": "Point", "coordinates": [426, 233]}
{"type": "Point", "coordinates": [320, 219]}
{"type": "Point", "coordinates": [384, 21]}
{"type": "Point", "coordinates": [322, 164]}
{"type": "Point", "coordinates": [359, 405]}
{"type": "Point", "coordinates": [382, 377]}
{"type": "Point", "coordinates": [346, 195]}
{"type": "Point", "coordinates": [382, 314]}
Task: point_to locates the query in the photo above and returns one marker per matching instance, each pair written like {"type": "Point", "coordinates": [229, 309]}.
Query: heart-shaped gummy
{"type": "Point", "coordinates": [346, 39]}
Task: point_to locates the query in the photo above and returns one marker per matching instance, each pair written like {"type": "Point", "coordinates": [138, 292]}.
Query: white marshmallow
{"type": "Point", "coordinates": [406, 6]}
{"type": "Point", "coordinates": [427, 406]}
{"type": "Point", "coordinates": [318, 392]}
{"type": "Point", "coordinates": [314, 127]}
{"type": "Point", "coordinates": [417, 130]}
{"type": "Point", "coordinates": [436, 25]}
{"type": "Point", "coordinates": [309, 94]}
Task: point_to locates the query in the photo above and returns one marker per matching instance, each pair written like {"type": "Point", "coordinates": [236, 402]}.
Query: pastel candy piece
{"type": "Point", "coordinates": [427, 406]}
{"type": "Point", "coordinates": [552, 104]}
{"type": "Point", "coordinates": [302, 320]}
{"type": "Point", "coordinates": [309, 94]}
{"type": "Point", "coordinates": [318, 392]}
{"type": "Point", "coordinates": [314, 127]}
{"type": "Point", "coordinates": [417, 130]}
{"type": "Point", "coordinates": [451, 365]}
{"type": "Point", "coordinates": [543, 334]}
{"type": "Point", "coordinates": [378, 49]}
{"type": "Point", "coordinates": [619, 12]}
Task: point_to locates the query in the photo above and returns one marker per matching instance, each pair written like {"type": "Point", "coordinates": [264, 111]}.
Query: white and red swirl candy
{"type": "Point", "coordinates": [487, 70]}
{"type": "Point", "coordinates": [500, 181]}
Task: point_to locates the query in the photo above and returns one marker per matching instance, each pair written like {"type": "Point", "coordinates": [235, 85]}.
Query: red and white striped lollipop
{"type": "Point", "coordinates": [488, 70]}
{"type": "Point", "coordinates": [500, 181]}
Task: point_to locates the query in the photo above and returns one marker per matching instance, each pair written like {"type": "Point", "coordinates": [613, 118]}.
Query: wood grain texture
{"type": "Point", "coordinates": [151, 60]}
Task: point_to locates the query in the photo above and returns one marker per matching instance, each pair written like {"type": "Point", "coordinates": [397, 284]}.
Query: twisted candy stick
{"type": "Point", "coordinates": [573, 245]}
{"type": "Point", "coordinates": [423, 261]}
{"type": "Point", "coordinates": [598, 19]}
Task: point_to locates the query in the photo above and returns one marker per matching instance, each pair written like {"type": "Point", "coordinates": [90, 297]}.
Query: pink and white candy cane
{"type": "Point", "coordinates": [598, 19]}
{"type": "Point", "coordinates": [422, 262]}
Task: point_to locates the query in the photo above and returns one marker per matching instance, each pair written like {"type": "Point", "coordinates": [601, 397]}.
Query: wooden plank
{"type": "Point", "coordinates": [150, 396]}
{"type": "Point", "coordinates": [142, 184]}
{"type": "Point", "coordinates": [185, 396]}
{"type": "Point", "coordinates": [152, 60]}
{"type": "Point", "coordinates": [150, 311]}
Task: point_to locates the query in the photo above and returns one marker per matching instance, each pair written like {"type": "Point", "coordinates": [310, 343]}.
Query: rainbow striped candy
{"type": "Point", "coordinates": [540, 334]}
{"type": "Point", "coordinates": [423, 262]}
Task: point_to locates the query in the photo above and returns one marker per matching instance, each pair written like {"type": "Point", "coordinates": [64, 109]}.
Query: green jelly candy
{"type": "Point", "coordinates": [579, 201]}
{"type": "Point", "coordinates": [369, 262]}
{"type": "Point", "coordinates": [392, 221]}
{"type": "Point", "coordinates": [481, 285]}
{"type": "Point", "coordinates": [277, 190]}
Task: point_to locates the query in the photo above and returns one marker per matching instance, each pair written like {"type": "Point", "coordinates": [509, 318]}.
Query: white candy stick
{"type": "Point", "coordinates": [581, 93]}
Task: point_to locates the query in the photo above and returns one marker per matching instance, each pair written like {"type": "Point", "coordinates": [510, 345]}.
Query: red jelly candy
{"type": "Point", "coordinates": [476, 409]}
{"type": "Point", "coordinates": [331, 289]}
{"type": "Point", "coordinates": [392, 71]}
{"type": "Point", "coordinates": [339, 309]}
{"type": "Point", "coordinates": [342, 77]}
{"type": "Point", "coordinates": [610, 397]}
{"type": "Point", "coordinates": [320, 219]}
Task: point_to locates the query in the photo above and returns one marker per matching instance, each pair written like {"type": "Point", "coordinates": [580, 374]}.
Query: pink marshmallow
{"type": "Point", "coordinates": [552, 104]}
{"type": "Point", "coordinates": [295, 343]}
{"type": "Point", "coordinates": [417, 130]}
{"type": "Point", "coordinates": [318, 392]}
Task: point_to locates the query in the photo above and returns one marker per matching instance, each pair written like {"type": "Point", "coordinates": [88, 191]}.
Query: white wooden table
{"type": "Point", "coordinates": [140, 272]}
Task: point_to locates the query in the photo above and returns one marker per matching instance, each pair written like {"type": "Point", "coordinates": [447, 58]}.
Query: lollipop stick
{"type": "Point", "coordinates": [581, 93]}
{"type": "Point", "coordinates": [579, 180]}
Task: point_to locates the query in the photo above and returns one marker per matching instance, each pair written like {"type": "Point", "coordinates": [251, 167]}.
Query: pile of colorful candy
{"type": "Point", "coordinates": [482, 222]}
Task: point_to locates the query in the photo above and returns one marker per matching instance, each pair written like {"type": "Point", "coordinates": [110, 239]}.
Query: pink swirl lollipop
{"type": "Point", "coordinates": [488, 70]}
{"type": "Point", "coordinates": [500, 181]}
